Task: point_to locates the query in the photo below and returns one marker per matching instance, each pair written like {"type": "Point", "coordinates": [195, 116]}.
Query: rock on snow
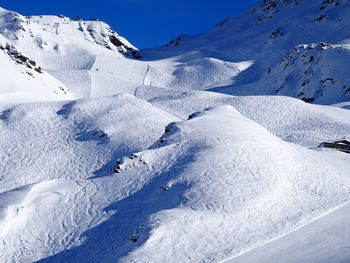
{"type": "Point", "coordinates": [190, 152]}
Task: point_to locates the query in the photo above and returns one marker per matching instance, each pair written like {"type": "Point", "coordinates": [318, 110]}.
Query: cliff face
{"type": "Point", "coordinates": [45, 30]}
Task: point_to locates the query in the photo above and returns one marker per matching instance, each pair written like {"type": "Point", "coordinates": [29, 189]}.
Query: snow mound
{"type": "Point", "coordinates": [234, 181]}
{"type": "Point", "coordinates": [211, 187]}
{"type": "Point", "coordinates": [18, 205]}
{"type": "Point", "coordinates": [196, 74]}
{"type": "Point", "coordinates": [290, 119]}
{"type": "Point", "coordinates": [74, 139]}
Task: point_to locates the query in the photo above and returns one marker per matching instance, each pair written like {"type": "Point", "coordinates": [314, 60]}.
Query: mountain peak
{"type": "Point", "coordinates": [46, 32]}
{"type": "Point", "coordinates": [267, 9]}
{"type": "Point", "coordinates": [2, 10]}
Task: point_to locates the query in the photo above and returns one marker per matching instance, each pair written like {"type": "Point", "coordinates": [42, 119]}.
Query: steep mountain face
{"type": "Point", "coordinates": [243, 55]}
{"type": "Point", "coordinates": [65, 49]}
{"type": "Point", "coordinates": [266, 36]}
{"type": "Point", "coordinates": [267, 9]}
{"type": "Point", "coordinates": [23, 79]}
{"type": "Point", "coordinates": [109, 157]}
{"type": "Point", "coordinates": [315, 70]}
{"type": "Point", "coordinates": [45, 32]}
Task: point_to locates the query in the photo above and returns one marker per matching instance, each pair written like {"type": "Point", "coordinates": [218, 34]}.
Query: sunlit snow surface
{"type": "Point", "coordinates": [108, 158]}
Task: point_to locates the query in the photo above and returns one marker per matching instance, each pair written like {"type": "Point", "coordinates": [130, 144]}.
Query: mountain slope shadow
{"type": "Point", "coordinates": [107, 168]}
{"type": "Point", "coordinates": [129, 227]}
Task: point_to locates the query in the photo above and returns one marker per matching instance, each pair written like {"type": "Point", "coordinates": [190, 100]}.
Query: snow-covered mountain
{"type": "Point", "coordinates": [292, 48]}
{"type": "Point", "coordinates": [23, 80]}
{"type": "Point", "coordinates": [203, 150]}
{"type": "Point", "coordinates": [66, 49]}
{"type": "Point", "coordinates": [289, 48]}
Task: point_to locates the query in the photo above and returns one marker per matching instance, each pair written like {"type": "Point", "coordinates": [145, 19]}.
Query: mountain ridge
{"type": "Point", "coordinates": [208, 149]}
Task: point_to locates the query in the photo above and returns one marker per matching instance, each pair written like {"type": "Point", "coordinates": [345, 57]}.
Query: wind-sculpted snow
{"type": "Point", "coordinates": [174, 168]}
{"type": "Point", "coordinates": [22, 79]}
{"type": "Point", "coordinates": [210, 188]}
{"type": "Point", "coordinates": [202, 74]}
{"type": "Point", "coordinates": [73, 139]}
{"type": "Point", "coordinates": [287, 118]}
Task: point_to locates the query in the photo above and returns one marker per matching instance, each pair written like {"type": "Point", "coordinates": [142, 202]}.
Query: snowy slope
{"type": "Point", "coordinates": [317, 73]}
{"type": "Point", "coordinates": [22, 79]}
{"type": "Point", "coordinates": [33, 32]}
{"type": "Point", "coordinates": [69, 53]}
{"type": "Point", "coordinates": [240, 187]}
{"type": "Point", "coordinates": [321, 241]}
{"type": "Point", "coordinates": [211, 187]}
{"type": "Point", "coordinates": [260, 52]}
{"type": "Point", "coordinates": [74, 138]}
{"type": "Point", "coordinates": [290, 119]}
{"type": "Point", "coordinates": [275, 40]}
{"type": "Point", "coordinates": [109, 157]}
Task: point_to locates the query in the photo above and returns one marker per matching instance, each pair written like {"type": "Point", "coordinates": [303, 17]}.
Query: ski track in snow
{"type": "Point", "coordinates": [271, 241]}
{"type": "Point", "coordinates": [88, 173]}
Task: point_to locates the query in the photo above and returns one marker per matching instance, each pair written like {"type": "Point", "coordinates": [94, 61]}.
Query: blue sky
{"type": "Point", "coordinates": [145, 23]}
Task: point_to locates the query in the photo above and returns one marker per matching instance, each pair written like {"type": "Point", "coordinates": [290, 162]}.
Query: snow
{"type": "Point", "coordinates": [321, 241]}
{"type": "Point", "coordinates": [308, 125]}
{"type": "Point", "coordinates": [200, 151]}
{"type": "Point", "coordinates": [70, 55]}
{"type": "Point", "coordinates": [228, 178]}
{"type": "Point", "coordinates": [74, 138]}
{"type": "Point", "coordinates": [260, 52]}
{"type": "Point", "coordinates": [264, 37]}
{"type": "Point", "coordinates": [203, 74]}
{"type": "Point", "coordinates": [22, 84]}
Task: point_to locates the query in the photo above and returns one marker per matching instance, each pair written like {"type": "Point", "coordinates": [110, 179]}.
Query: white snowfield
{"type": "Point", "coordinates": [203, 192]}
{"type": "Point", "coordinates": [68, 56]}
{"type": "Point", "coordinates": [109, 157]}
{"type": "Point", "coordinates": [308, 125]}
{"type": "Point", "coordinates": [19, 83]}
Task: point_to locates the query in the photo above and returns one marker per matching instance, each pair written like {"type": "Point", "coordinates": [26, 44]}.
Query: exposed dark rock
{"type": "Point", "coordinates": [321, 17]}
{"type": "Point", "coordinates": [176, 42]}
{"type": "Point", "coordinates": [165, 188]}
{"type": "Point", "coordinates": [308, 100]}
{"type": "Point", "coordinates": [134, 239]}
{"type": "Point", "coordinates": [220, 24]}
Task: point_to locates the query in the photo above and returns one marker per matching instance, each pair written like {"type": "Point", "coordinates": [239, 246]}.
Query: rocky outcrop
{"type": "Point", "coordinates": [177, 41]}
{"type": "Point", "coordinates": [104, 35]}
{"type": "Point", "coordinates": [312, 71]}
{"type": "Point", "coordinates": [267, 9]}
{"type": "Point", "coordinates": [19, 58]}
{"type": "Point", "coordinates": [14, 27]}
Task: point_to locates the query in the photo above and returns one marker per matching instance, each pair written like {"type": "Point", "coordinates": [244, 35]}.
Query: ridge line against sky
{"type": "Point", "coordinates": [145, 23]}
